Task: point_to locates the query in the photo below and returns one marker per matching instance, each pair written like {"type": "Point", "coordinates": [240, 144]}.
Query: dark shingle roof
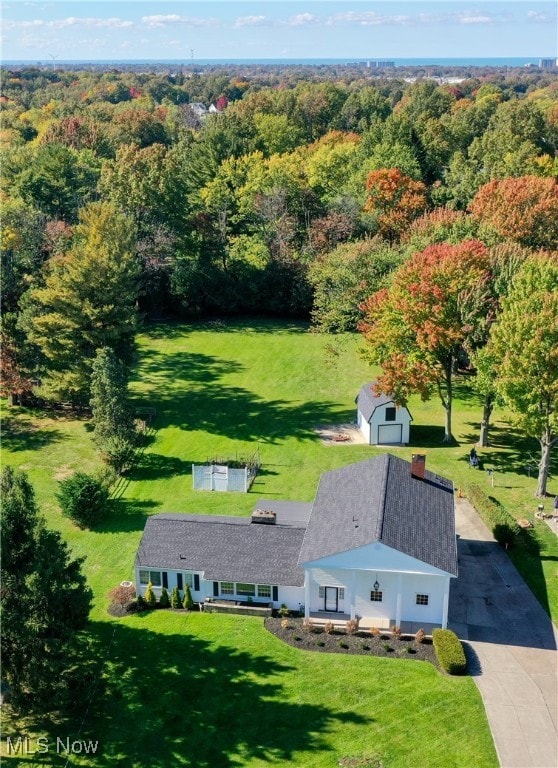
{"type": "Point", "coordinates": [224, 548]}
{"type": "Point", "coordinates": [367, 401]}
{"type": "Point", "coordinates": [379, 500]}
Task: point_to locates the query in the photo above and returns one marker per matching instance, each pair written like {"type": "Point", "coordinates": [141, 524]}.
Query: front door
{"type": "Point", "coordinates": [331, 600]}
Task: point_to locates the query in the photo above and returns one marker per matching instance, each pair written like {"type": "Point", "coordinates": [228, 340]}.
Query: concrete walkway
{"type": "Point", "coordinates": [511, 644]}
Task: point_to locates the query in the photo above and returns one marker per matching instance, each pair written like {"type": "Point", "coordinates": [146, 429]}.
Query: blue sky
{"type": "Point", "coordinates": [109, 29]}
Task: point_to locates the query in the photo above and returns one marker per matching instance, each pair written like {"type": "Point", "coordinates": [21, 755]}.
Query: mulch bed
{"type": "Point", "coordinates": [361, 643]}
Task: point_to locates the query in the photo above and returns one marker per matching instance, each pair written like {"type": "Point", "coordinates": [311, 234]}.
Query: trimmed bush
{"type": "Point", "coordinates": [502, 525]}
{"type": "Point", "coordinates": [375, 632]}
{"type": "Point", "coordinates": [83, 498]}
{"type": "Point", "coordinates": [283, 610]}
{"type": "Point", "coordinates": [175, 600]}
{"type": "Point", "coordinates": [449, 651]}
{"type": "Point", "coordinates": [351, 626]}
{"type": "Point", "coordinates": [164, 601]}
{"type": "Point", "coordinates": [328, 627]}
{"type": "Point", "coordinates": [188, 601]}
{"type": "Point", "coordinates": [396, 632]}
{"type": "Point", "coordinates": [150, 599]}
{"type": "Point", "coordinates": [420, 636]}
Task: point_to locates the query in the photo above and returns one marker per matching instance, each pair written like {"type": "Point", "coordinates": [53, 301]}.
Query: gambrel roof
{"type": "Point", "coordinates": [367, 401]}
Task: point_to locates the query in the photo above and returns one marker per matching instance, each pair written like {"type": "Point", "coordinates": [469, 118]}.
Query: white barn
{"type": "Point", "coordinates": [377, 544]}
{"type": "Point", "coordinates": [380, 420]}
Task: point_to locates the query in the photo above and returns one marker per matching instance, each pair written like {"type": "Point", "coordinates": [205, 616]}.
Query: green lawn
{"type": "Point", "coordinates": [211, 690]}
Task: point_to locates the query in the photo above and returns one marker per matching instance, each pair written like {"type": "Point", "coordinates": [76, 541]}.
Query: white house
{"type": "Point", "coordinates": [377, 544]}
{"type": "Point", "coordinates": [380, 420]}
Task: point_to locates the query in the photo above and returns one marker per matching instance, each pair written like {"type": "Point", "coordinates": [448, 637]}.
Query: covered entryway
{"type": "Point", "coordinates": [390, 434]}
{"type": "Point", "coordinates": [331, 599]}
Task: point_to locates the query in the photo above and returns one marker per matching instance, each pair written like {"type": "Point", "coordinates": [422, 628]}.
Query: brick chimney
{"type": "Point", "coordinates": [418, 465]}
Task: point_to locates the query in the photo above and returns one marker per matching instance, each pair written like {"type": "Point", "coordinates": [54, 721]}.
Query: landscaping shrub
{"type": "Point", "coordinates": [449, 651]}
{"type": "Point", "coordinates": [188, 602]}
{"type": "Point", "coordinates": [175, 600]}
{"type": "Point", "coordinates": [342, 644]}
{"type": "Point", "coordinates": [396, 632]}
{"type": "Point", "coordinates": [164, 601]}
{"type": "Point", "coordinates": [141, 605]}
{"type": "Point", "coordinates": [420, 636]}
{"type": "Point", "coordinates": [121, 598]}
{"type": "Point", "coordinates": [285, 624]}
{"type": "Point", "coordinates": [283, 610]}
{"type": "Point", "coordinates": [149, 598]}
{"type": "Point", "coordinates": [503, 526]}
{"type": "Point", "coordinates": [387, 647]}
{"type": "Point", "coordinates": [83, 498]}
{"type": "Point", "coordinates": [351, 626]}
{"type": "Point", "coordinates": [328, 627]}
{"type": "Point", "coordinates": [375, 632]}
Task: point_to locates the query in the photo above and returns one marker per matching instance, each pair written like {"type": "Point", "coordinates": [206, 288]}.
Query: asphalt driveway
{"type": "Point", "coordinates": [511, 644]}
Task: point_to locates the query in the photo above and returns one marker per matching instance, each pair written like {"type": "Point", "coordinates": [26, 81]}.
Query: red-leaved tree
{"type": "Point", "coordinates": [416, 329]}
{"type": "Point", "coordinates": [395, 199]}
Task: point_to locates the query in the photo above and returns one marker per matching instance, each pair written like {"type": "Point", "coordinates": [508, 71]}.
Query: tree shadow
{"type": "Point", "coordinates": [177, 699]}
{"type": "Point", "coordinates": [429, 436]}
{"type": "Point", "coordinates": [178, 369]}
{"type": "Point", "coordinates": [126, 515]}
{"type": "Point", "coordinates": [154, 466]}
{"type": "Point", "coordinates": [21, 435]}
{"type": "Point", "coordinates": [240, 324]}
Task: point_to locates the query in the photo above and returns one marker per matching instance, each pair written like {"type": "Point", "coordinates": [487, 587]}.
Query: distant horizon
{"type": "Point", "coordinates": [360, 61]}
{"type": "Point", "coordinates": [101, 30]}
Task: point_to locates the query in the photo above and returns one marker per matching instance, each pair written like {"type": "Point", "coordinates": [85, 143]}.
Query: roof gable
{"type": "Point", "coordinates": [379, 501]}
{"type": "Point", "coordinates": [367, 402]}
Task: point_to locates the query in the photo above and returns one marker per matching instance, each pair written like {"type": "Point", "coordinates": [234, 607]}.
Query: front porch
{"type": "Point", "coordinates": [339, 620]}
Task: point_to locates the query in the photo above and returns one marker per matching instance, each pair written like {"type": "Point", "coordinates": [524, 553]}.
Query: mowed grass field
{"type": "Point", "coordinates": [209, 690]}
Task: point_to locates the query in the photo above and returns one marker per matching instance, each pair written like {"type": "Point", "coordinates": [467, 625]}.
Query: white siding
{"type": "Point", "coordinates": [364, 426]}
{"type": "Point", "coordinates": [293, 597]}
{"type": "Point", "coordinates": [375, 557]}
{"type": "Point", "coordinates": [378, 419]}
{"type": "Point", "coordinates": [432, 586]}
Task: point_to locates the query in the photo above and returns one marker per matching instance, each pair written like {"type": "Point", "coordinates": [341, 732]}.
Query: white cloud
{"type": "Point", "coordinates": [251, 21]}
{"type": "Point", "coordinates": [302, 19]}
{"type": "Point", "coordinates": [164, 20]}
{"type": "Point", "coordinates": [94, 23]}
{"type": "Point", "coordinates": [541, 18]}
{"type": "Point", "coordinates": [474, 18]}
{"type": "Point", "coordinates": [368, 19]}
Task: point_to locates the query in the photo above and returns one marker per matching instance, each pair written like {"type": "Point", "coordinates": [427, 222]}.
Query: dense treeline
{"type": "Point", "coordinates": [357, 202]}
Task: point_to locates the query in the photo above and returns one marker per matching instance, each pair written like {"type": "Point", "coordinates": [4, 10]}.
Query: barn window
{"type": "Point", "coordinates": [391, 413]}
{"type": "Point", "coordinates": [422, 599]}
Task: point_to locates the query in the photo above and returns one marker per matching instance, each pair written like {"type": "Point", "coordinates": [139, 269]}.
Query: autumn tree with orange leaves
{"type": "Point", "coordinates": [523, 209]}
{"type": "Point", "coordinates": [395, 200]}
{"type": "Point", "coordinates": [416, 328]}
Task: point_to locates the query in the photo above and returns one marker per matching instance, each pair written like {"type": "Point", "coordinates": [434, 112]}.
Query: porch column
{"type": "Point", "coordinates": [399, 600]}
{"type": "Point", "coordinates": [306, 594]}
{"type": "Point", "coordinates": [353, 594]}
{"type": "Point", "coordinates": [446, 605]}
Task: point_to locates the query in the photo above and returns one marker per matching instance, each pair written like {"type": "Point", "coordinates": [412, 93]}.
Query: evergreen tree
{"type": "Point", "coordinates": [164, 601]}
{"type": "Point", "coordinates": [88, 300]}
{"type": "Point", "coordinates": [82, 498]}
{"type": "Point", "coordinates": [44, 600]}
{"type": "Point", "coordinates": [112, 419]}
{"type": "Point", "coordinates": [149, 597]}
{"type": "Point", "coordinates": [188, 601]}
{"type": "Point", "coordinates": [175, 598]}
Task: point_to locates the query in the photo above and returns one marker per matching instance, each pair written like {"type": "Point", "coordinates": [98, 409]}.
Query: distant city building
{"type": "Point", "coordinates": [548, 63]}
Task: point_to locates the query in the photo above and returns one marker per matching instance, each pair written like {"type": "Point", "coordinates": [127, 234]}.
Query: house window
{"type": "Point", "coordinates": [188, 579]}
{"type": "Point", "coordinates": [248, 590]}
{"type": "Point", "coordinates": [422, 599]}
{"type": "Point", "coordinates": [264, 590]}
{"type": "Point", "coordinates": [391, 414]}
{"type": "Point", "coordinates": [150, 576]}
{"type": "Point", "coordinates": [227, 588]}
{"type": "Point", "coordinates": [376, 596]}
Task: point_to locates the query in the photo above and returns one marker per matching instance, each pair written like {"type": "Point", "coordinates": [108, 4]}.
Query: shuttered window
{"type": "Point", "coordinates": [179, 581]}
{"type": "Point", "coordinates": [196, 582]}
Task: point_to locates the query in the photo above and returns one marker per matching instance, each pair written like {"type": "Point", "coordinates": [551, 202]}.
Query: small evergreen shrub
{"type": "Point", "coordinates": [328, 627]}
{"type": "Point", "coordinates": [175, 600]}
{"type": "Point", "coordinates": [420, 636]}
{"type": "Point", "coordinates": [283, 610]}
{"type": "Point", "coordinates": [83, 498]}
{"type": "Point", "coordinates": [150, 599]}
{"type": "Point", "coordinates": [449, 651]}
{"type": "Point", "coordinates": [387, 647]}
{"type": "Point", "coordinates": [188, 602]}
{"type": "Point", "coordinates": [141, 605]}
{"type": "Point", "coordinates": [164, 601]}
{"type": "Point", "coordinates": [342, 644]}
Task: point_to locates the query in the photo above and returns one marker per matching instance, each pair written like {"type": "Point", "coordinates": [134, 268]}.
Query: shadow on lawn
{"type": "Point", "coordinates": [516, 453]}
{"type": "Point", "coordinates": [174, 330]}
{"type": "Point", "coordinates": [20, 435]}
{"type": "Point", "coordinates": [176, 699]}
{"type": "Point", "coordinates": [126, 515]}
